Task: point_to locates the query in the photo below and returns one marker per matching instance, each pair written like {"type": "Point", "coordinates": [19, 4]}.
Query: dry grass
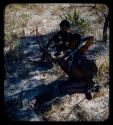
{"type": "Point", "coordinates": [27, 14]}
{"type": "Point", "coordinates": [55, 11]}
{"type": "Point", "coordinates": [103, 92]}
{"type": "Point", "coordinates": [102, 76]}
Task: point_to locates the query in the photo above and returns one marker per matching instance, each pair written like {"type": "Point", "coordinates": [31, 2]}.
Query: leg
{"type": "Point", "coordinates": [65, 67]}
{"type": "Point", "coordinates": [77, 73]}
{"type": "Point", "coordinates": [72, 71]}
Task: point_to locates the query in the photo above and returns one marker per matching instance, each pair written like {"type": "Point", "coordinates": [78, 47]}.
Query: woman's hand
{"type": "Point", "coordinates": [57, 59]}
{"type": "Point", "coordinates": [90, 41]}
{"type": "Point", "coordinates": [89, 38]}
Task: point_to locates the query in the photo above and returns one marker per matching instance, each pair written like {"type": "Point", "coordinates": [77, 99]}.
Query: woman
{"type": "Point", "coordinates": [81, 69]}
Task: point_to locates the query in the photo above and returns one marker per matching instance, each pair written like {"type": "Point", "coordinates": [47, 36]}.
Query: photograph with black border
{"type": "Point", "coordinates": [56, 61]}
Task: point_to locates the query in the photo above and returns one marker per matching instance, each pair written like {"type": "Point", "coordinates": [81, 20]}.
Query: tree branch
{"type": "Point", "coordinates": [99, 11]}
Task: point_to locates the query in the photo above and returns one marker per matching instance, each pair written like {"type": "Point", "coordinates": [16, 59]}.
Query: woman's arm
{"type": "Point", "coordinates": [89, 42]}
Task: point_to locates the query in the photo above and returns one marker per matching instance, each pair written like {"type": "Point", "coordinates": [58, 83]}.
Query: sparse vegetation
{"type": "Point", "coordinates": [21, 74]}
{"type": "Point", "coordinates": [103, 70]}
{"type": "Point", "coordinates": [104, 16]}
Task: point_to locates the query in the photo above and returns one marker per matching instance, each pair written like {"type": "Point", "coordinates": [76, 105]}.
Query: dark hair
{"type": "Point", "coordinates": [64, 24]}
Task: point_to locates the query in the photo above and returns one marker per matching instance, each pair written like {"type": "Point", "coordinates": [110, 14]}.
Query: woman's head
{"type": "Point", "coordinates": [65, 25]}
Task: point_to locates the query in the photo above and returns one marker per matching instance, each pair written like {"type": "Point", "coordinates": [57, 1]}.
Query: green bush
{"type": "Point", "coordinates": [77, 22]}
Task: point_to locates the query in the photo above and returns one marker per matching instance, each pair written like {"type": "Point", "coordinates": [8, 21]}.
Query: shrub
{"type": "Point", "coordinates": [103, 72]}
{"type": "Point", "coordinates": [77, 22]}
{"type": "Point", "coordinates": [13, 58]}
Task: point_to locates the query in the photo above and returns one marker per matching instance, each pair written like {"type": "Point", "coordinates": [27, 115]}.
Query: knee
{"type": "Point", "coordinates": [62, 63]}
